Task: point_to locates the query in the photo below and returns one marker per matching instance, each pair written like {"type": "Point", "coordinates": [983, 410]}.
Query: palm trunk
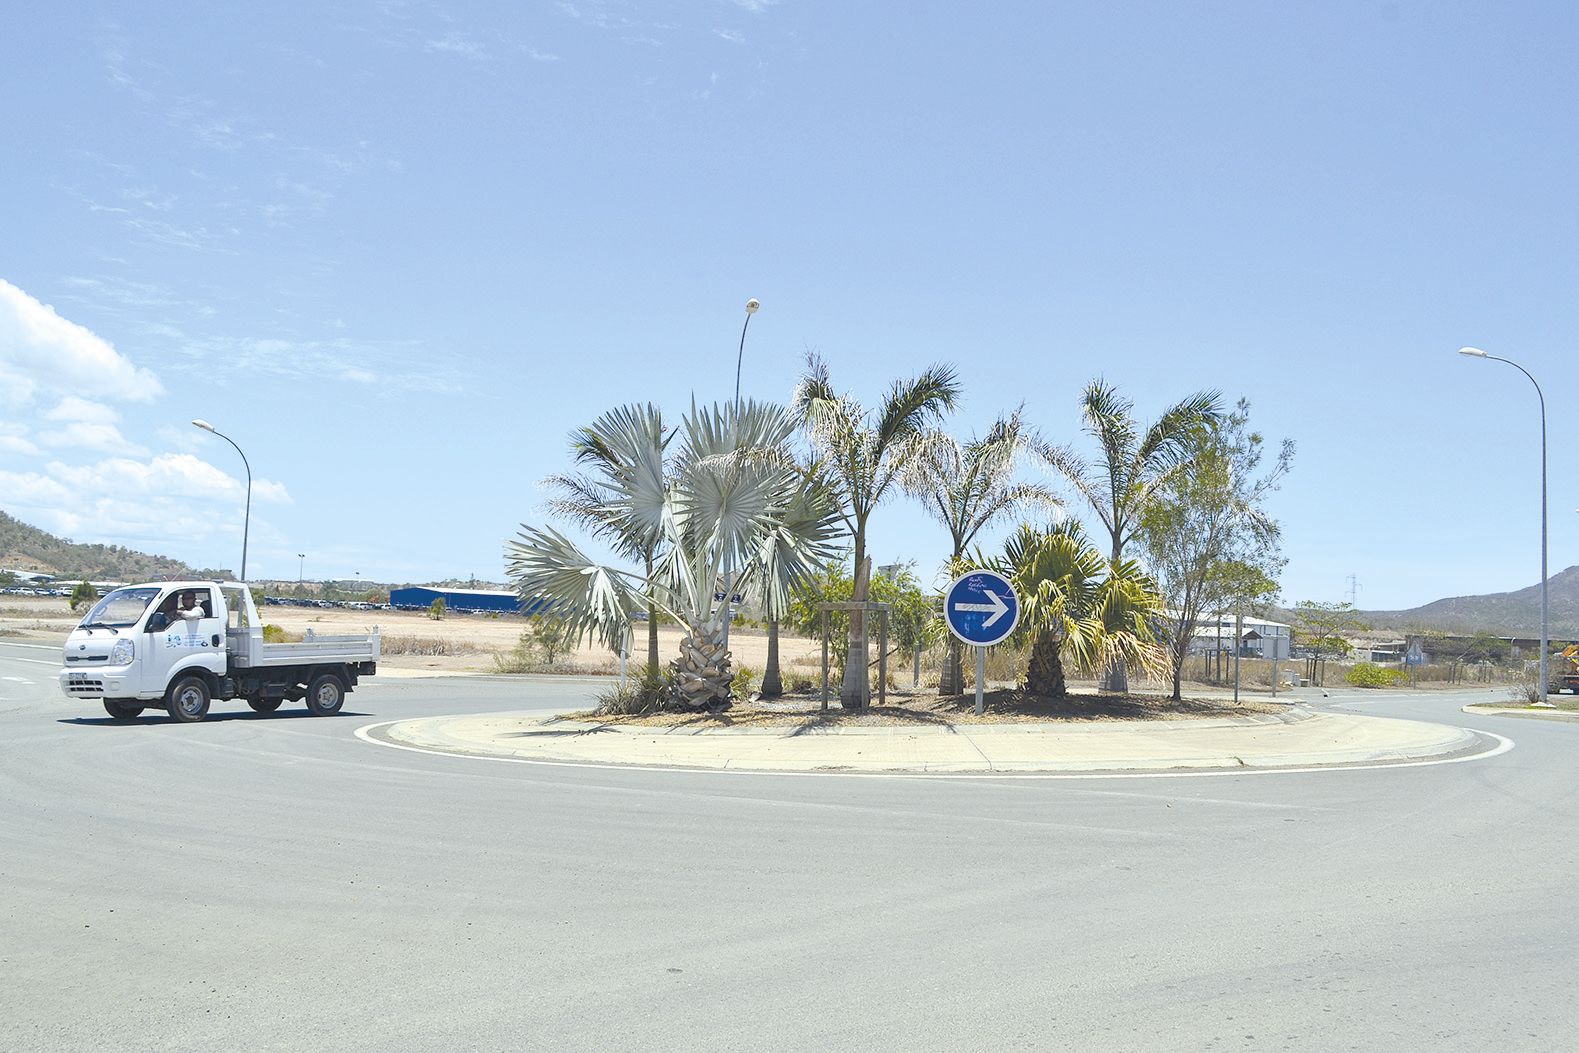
{"type": "Point", "coordinates": [856, 689]}
{"type": "Point", "coordinates": [653, 661]}
{"type": "Point", "coordinates": [702, 673]}
{"type": "Point", "coordinates": [772, 682]}
{"type": "Point", "coordinates": [1115, 678]}
{"type": "Point", "coordinates": [1044, 677]}
{"type": "Point", "coordinates": [951, 681]}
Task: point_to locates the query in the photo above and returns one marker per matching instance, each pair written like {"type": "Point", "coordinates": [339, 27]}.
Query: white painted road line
{"type": "Point", "coordinates": [31, 646]}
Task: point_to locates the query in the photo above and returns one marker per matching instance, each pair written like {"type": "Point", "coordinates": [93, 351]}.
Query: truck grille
{"type": "Point", "coordinates": [87, 658]}
{"type": "Point", "coordinates": [79, 684]}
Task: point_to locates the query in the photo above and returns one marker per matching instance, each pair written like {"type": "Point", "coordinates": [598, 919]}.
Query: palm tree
{"type": "Point", "coordinates": [1076, 605]}
{"type": "Point", "coordinates": [863, 455]}
{"type": "Point", "coordinates": [1132, 464]}
{"type": "Point", "coordinates": [625, 450]}
{"type": "Point", "coordinates": [731, 493]}
{"type": "Point", "coordinates": [968, 486]}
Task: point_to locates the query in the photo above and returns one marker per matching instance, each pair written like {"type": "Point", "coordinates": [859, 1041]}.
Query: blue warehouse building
{"type": "Point", "coordinates": [421, 597]}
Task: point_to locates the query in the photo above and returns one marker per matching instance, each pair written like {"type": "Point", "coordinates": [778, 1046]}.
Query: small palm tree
{"type": "Point", "coordinates": [968, 486]}
{"type": "Point", "coordinates": [863, 455]}
{"type": "Point", "coordinates": [731, 495]}
{"type": "Point", "coordinates": [1132, 464]}
{"type": "Point", "coordinates": [625, 451]}
{"type": "Point", "coordinates": [1077, 606]}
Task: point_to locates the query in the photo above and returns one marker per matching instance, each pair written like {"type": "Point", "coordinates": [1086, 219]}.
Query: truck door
{"type": "Point", "coordinates": [187, 624]}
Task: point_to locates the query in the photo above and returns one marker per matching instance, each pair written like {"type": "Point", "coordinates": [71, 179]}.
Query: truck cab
{"type": "Point", "coordinates": [180, 645]}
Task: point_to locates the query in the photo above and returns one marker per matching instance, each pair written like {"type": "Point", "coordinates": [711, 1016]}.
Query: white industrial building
{"type": "Point", "coordinates": [1260, 639]}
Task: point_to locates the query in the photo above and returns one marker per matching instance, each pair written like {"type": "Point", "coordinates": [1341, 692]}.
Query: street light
{"type": "Point", "coordinates": [246, 521]}
{"type": "Point", "coordinates": [751, 309]}
{"type": "Point", "coordinates": [1475, 352]}
{"type": "Point", "coordinates": [301, 561]}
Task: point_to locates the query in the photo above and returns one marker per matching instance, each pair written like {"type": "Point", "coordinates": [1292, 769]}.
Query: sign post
{"type": "Point", "coordinates": [981, 609]}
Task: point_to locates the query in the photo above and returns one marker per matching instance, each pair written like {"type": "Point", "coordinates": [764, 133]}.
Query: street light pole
{"type": "Point", "coordinates": [1475, 352]}
{"type": "Point", "coordinates": [729, 571]}
{"type": "Point", "coordinates": [246, 521]}
{"type": "Point", "coordinates": [751, 309]}
{"type": "Point", "coordinates": [301, 561]}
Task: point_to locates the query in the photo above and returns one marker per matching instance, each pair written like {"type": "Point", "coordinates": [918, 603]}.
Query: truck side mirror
{"type": "Point", "coordinates": [158, 622]}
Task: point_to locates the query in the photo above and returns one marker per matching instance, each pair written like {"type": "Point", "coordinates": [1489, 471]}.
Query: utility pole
{"type": "Point", "coordinates": [1354, 590]}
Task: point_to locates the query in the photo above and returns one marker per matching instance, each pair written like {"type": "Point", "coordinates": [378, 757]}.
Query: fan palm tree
{"type": "Point", "coordinates": [968, 486]}
{"type": "Point", "coordinates": [1132, 464]}
{"type": "Point", "coordinates": [863, 454]}
{"type": "Point", "coordinates": [1077, 606]}
{"type": "Point", "coordinates": [731, 493]}
{"type": "Point", "coordinates": [623, 450]}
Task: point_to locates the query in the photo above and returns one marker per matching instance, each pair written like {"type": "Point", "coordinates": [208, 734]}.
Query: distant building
{"type": "Point", "coordinates": [421, 597]}
{"type": "Point", "coordinates": [1261, 639]}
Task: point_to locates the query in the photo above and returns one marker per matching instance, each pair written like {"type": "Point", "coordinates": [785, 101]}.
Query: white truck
{"type": "Point", "coordinates": [177, 645]}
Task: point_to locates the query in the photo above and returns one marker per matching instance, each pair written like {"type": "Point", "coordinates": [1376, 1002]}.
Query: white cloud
{"type": "Point", "coordinates": [756, 7]}
{"type": "Point", "coordinates": [458, 44]}
{"type": "Point", "coordinates": [168, 475]}
{"type": "Point", "coordinates": [106, 438]}
{"type": "Point", "coordinates": [730, 35]}
{"type": "Point", "coordinates": [17, 444]}
{"type": "Point", "coordinates": [40, 349]}
{"type": "Point", "coordinates": [76, 408]}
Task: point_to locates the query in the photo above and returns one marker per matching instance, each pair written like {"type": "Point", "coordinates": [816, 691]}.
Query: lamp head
{"type": "Point", "coordinates": [751, 306]}
{"type": "Point", "coordinates": [1472, 352]}
{"type": "Point", "coordinates": [205, 425]}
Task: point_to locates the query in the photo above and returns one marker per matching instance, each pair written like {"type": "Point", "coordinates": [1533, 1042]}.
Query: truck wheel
{"type": "Point", "coordinates": [187, 700]}
{"type": "Point", "coordinates": [264, 705]}
{"type": "Point", "coordinates": [122, 710]}
{"type": "Point", "coordinates": [325, 695]}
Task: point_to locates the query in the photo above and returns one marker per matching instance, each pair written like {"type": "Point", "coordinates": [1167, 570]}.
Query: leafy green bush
{"type": "Point", "coordinates": [436, 609]}
{"type": "Point", "coordinates": [274, 634]}
{"type": "Point", "coordinates": [83, 593]}
{"type": "Point", "coordinates": [1368, 674]}
{"type": "Point", "coordinates": [744, 683]}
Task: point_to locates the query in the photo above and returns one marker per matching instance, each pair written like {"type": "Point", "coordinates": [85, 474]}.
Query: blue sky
{"type": "Point", "coordinates": [397, 250]}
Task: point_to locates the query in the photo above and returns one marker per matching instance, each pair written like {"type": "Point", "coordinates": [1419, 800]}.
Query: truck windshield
{"type": "Point", "coordinates": [120, 608]}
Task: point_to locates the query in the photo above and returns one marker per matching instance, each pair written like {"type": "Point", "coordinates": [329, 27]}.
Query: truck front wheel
{"type": "Point", "coordinates": [121, 710]}
{"type": "Point", "coordinates": [325, 695]}
{"type": "Point", "coordinates": [187, 700]}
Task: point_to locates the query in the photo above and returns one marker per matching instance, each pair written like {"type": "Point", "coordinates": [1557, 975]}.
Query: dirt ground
{"type": "Point", "coordinates": [1004, 706]}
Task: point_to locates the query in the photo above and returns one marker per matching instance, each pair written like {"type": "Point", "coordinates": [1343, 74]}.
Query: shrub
{"type": "Point", "coordinates": [744, 683]}
{"type": "Point", "coordinates": [642, 694]}
{"type": "Point", "coordinates": [436, 609]}
{"type": "Point", "coordinates": [801, 686]}
{"type": "Point", "coordinates": [83, 593]}
{"type": "Point", "coordinates": [426, 646]}
{"type": "Point", "coordinates": [274, 634]}
{"type": "Point", "coordinates": [1368, 674]}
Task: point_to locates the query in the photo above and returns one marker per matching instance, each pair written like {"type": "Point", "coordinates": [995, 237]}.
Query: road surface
{"type": "Point", "coordinates": [276, 883]}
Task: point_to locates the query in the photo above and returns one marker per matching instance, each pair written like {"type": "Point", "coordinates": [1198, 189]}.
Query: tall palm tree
{"type": "Point", "coordinates": [1077, 606]}
{"type": "Point", "coordinates": [863, 454]}
{"type": "Point", "coordinates": [624, 450]}
{"type": "Point", "coordinates": [1132, 463]}
{"type": "Point", "coordinates": [731, 492]}
{"type": "Point", "coordinates": [968, 486]}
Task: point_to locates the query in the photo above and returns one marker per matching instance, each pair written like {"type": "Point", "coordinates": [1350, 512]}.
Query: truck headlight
{"type": "Point", "coordinates": [123, 652]}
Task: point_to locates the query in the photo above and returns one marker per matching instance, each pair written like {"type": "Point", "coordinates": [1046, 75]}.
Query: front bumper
{"type": "Point", "coordinates": [105, 682]}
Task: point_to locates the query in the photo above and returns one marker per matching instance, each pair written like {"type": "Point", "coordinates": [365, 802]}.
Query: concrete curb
{"type": "Point", "coordinates": [1299, 739]}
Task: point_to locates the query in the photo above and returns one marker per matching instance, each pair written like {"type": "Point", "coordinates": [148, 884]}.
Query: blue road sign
{"type": "Point", "coordinates": [981, 608]}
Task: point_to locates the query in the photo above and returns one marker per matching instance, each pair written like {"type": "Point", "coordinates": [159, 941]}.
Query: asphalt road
{"type": "Point", "coordinates": [276, 883]}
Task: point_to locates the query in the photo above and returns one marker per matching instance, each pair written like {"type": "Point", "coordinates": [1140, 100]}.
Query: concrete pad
{"type": "Point", "coordinates": [1298, 738]}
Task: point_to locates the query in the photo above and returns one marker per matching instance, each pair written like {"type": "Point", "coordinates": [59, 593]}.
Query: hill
{"type": "Point", "coordinates": [25, 547]}
{"type": "Point", "coordinates": [1502, 613]}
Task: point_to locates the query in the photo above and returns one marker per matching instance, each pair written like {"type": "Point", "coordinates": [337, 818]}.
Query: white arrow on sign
{"type": "Point", "coordinates": [995, 610]}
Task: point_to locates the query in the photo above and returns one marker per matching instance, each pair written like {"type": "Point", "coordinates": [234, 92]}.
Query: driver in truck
{"type": "Point", "coordinates": [187, 608]}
